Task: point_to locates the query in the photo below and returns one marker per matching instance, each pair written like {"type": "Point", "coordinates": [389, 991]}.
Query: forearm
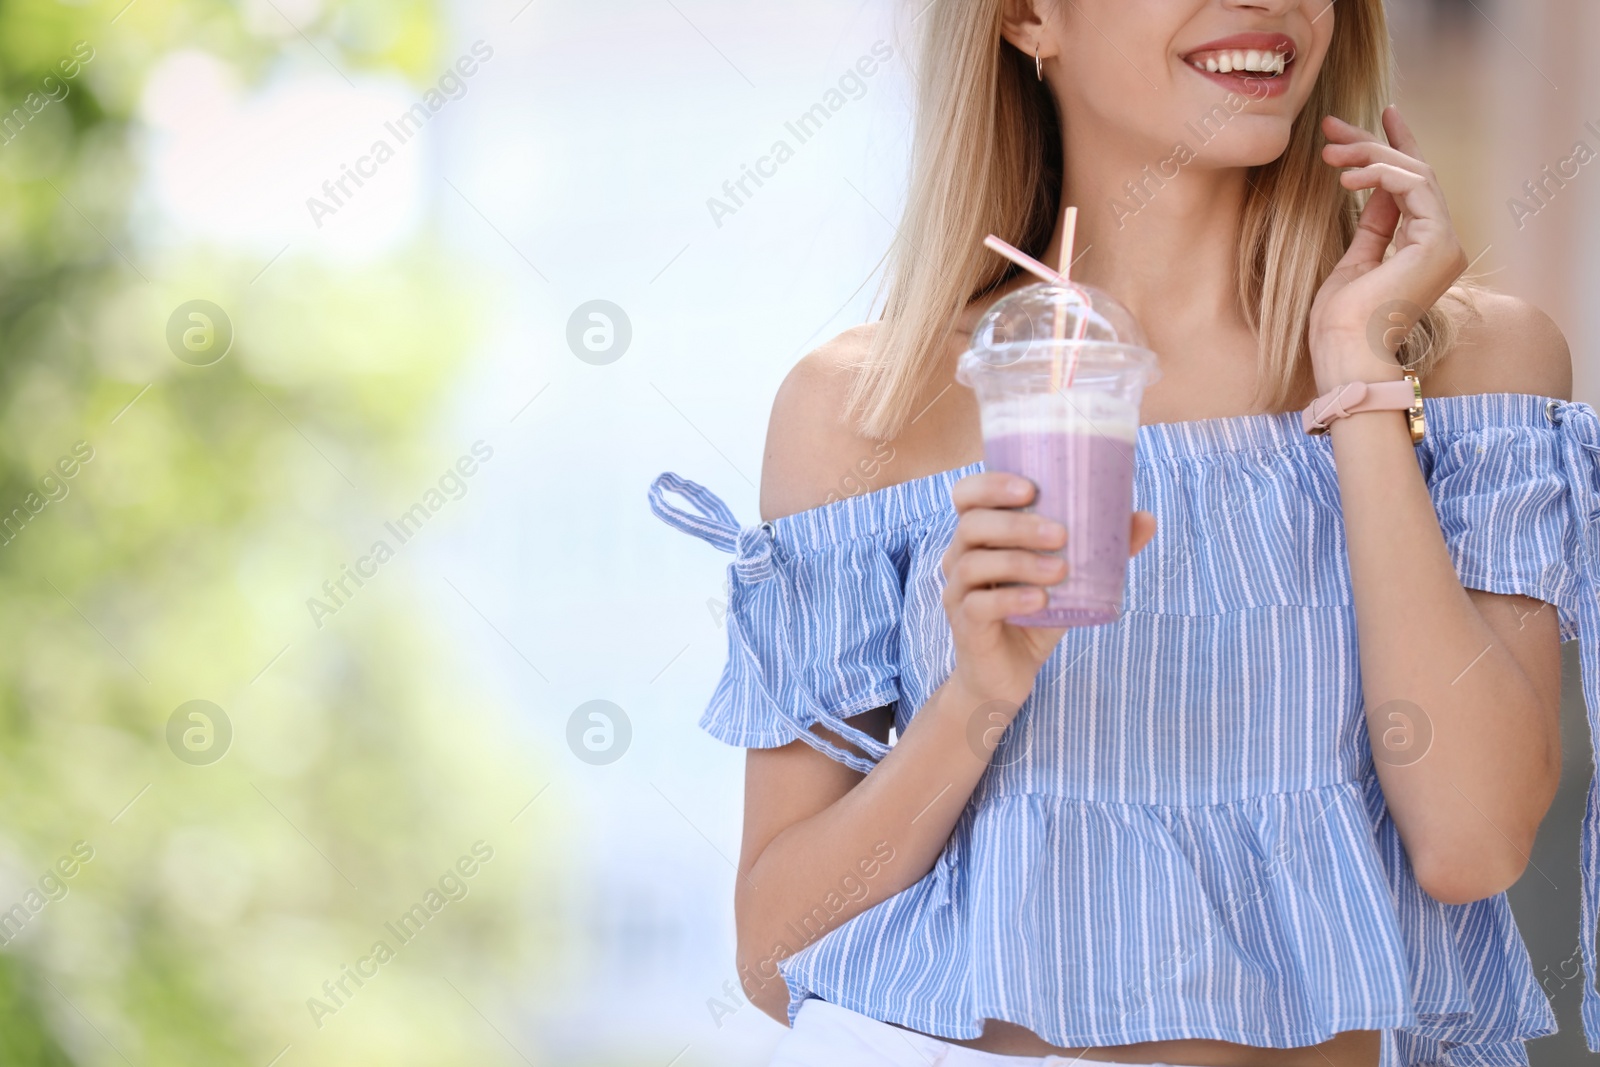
{"type": "Point", "coordinates": [875, 840]}
{"type": "Point", "coordinates": [1473, 799]}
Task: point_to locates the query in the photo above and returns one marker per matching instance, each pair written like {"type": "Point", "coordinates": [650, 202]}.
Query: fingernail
{"type": "Point", "coordinates": [1020, 490]}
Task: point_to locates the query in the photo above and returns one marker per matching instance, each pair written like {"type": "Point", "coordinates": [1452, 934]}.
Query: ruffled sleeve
{"type": "Point", "coordinates": [1501, 490]}
{"type": "Point", "coordinates": [813, 628]}
{"type": "Point", "coordinates": [1518, 498]}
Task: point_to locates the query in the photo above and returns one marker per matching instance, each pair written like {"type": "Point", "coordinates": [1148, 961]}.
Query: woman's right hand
{"type": "Point", "coordinates": [995, 543]}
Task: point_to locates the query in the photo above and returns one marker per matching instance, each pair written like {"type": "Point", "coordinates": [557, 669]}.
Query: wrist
{"type": "Point", "coordinates": [1339, 360]}
{"type": "Point", "coordinates": [980, 715]}
{"type": "Point", "coordinates": [964, 696]}
{"type": "Point", "coordinates": [1341, 404]}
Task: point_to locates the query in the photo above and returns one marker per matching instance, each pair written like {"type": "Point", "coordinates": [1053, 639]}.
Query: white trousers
{"type": "Point", "coordinates": [826, 1035]}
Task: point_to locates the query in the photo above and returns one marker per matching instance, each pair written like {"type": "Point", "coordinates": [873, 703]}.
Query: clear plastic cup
{"type": "Point", "coordinates": [1074, 440]}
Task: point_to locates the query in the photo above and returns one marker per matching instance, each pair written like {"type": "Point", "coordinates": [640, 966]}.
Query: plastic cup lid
{"type": "Point", "coordinates": [1032, 325]}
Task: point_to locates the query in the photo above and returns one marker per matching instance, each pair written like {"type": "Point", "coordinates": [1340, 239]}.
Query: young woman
{"type": "Point", "coordinates": [1268, 815]}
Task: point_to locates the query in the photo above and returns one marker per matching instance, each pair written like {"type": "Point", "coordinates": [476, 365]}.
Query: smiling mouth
{"type": "Point", "coordinates": [1265, 64]}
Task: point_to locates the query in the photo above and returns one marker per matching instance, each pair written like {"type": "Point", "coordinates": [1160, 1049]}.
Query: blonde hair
{"type": "Point", "coordinates": [987, 158]}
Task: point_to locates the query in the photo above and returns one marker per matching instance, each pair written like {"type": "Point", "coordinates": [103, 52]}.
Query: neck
{"type": "Point", "coordinates": [1166, 247]}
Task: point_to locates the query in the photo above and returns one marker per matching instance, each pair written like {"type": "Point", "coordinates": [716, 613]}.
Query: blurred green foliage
{"type": "Point", "coordinates": [174, 564]}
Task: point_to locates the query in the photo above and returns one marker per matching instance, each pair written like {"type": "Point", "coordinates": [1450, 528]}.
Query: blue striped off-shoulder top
{"type": "Point", "coordinates": [1182, 834]}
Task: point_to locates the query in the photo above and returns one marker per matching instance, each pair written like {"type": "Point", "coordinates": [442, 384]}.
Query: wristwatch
{"type": "Point", "coordinates": [1404, 395]}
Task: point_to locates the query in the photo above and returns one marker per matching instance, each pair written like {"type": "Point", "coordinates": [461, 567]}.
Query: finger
{"type": "Point", "coordinates": [1396, 131]}
{"type": "Point", "coordinates": [1141, 529]}
{"type": "Point", "coordinates": [1416, 195]}
{"type": "Point", "coordinates": [1339, 131]}
{"type": "Point", "coordinates": [1362, 153]}
{"type": "Point", "coordinates": [991, 489]}
{"type": "Point", "coordinates": [1348, 145]}
{"type": "Point", "coordinates": [986, 568]}
{"type": "Point", "coordinates": [993, 605]}
{"type": "Point", "coordinates": [1374, 230]}
{"type": "Point", "coordinates": [1003, 528]}
{"type": "Point", "coordinates": [1400, 134]}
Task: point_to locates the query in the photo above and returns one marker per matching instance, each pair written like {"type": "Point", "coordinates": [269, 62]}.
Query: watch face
{"type": "Point", "coordinates": [1414, 414]}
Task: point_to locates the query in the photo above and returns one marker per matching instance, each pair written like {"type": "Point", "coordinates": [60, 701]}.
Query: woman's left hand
{"type": "Point", "coordinates": [1366, 307]}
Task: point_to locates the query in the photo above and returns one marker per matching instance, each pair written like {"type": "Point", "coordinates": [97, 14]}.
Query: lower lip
{"type": "Point", "coordinates": [1254, 88]}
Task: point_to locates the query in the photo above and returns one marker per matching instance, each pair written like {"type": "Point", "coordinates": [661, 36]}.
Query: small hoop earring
{"type": "Point", "coordinates": [1038, 64]}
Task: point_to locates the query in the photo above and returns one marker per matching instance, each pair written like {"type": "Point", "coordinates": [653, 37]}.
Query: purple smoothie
{"type": "Point", "coordinates": [1085, 482]}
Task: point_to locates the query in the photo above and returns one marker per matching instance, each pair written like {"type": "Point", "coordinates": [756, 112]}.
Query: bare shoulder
{"type": "Point", "coordinates": [811, 445]}
{"type": "Point", "coordinates": [1507, 346]}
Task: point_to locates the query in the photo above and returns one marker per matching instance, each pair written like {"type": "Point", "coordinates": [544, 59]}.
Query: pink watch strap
{"type": "Point", "coordinates": [1356, 397]}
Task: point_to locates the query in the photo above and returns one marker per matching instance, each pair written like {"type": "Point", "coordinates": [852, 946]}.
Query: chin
{"type": "Point", "coordinates": [1246, 142]}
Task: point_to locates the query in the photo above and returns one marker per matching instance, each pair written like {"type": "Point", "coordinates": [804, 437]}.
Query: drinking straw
{"type": "Point", "coordinates": [1068, 238]}
{"type": "Point", "coordinates": [1055, 277]}
{"type": "Point", "coordinates": [1023, 260]}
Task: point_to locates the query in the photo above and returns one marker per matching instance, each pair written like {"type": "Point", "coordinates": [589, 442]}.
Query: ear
{"type": "Point", "coordinates": [1023, 25]}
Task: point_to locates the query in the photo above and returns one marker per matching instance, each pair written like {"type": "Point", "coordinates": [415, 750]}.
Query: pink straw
{"type": "Point", "coordinates": [1025, 261]}
{"type": "Point", "coordinates": [1060, 277]}
{"type": "Point", "coordinates": [1069, 228]}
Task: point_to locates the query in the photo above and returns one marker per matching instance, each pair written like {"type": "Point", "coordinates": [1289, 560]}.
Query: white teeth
{"type": "Point", "coordinates": [1253, 60]}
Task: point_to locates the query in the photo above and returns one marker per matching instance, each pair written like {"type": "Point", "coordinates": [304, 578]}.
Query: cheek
{"type": "Point", "coordinates": [1116, 68]}
{"type": "Point", "coordinates": [1320, 17]}
{"type": "Point", "coordinates": [1313, 26]}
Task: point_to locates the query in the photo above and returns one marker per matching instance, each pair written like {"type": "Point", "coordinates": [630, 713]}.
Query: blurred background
{"type": "Point", "coordinates": [349, 687]}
